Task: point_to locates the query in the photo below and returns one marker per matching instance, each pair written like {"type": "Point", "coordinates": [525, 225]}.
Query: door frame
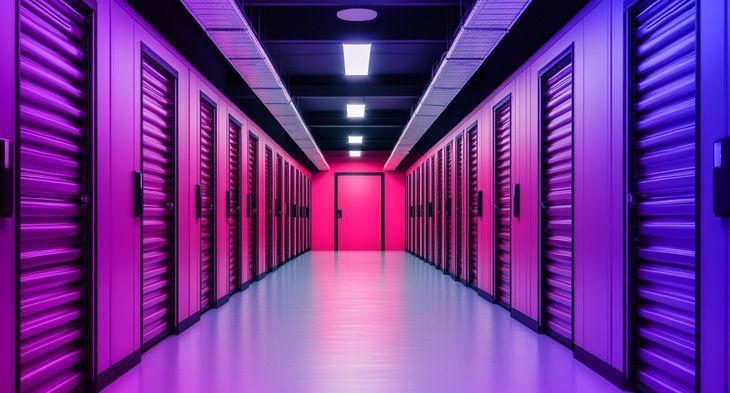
{"type": "Point", "coordinates": [382, 204]}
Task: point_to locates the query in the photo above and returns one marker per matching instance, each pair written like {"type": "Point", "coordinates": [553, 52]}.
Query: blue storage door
{"type": "Point", "coordinates": [473, 201]}
{"type": "Point", "coordinates": [158, 215]}
{"type": "Point", "coordinates": [207, 218]}
{"type": "Point", "coordinates": [503, 203]}
{"type": "Point", "coordinates": [54, 156]}
{"type": "Point", "coordinates": [664, 190]}
{"type": "Point", "coordinates": [234, 204]}
{"type": "Point", "coordinates": [556, 116]}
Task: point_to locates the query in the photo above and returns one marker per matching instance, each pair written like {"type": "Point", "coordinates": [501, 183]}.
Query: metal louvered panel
{"type": "Point", "coordinates": [54, 154]}
{"type": "Point", "coordinates": [473, 200]}
{"type": "Point", "coordinates": [421, 228]}
{"type": "Point", "coordinates": [158, 220]}
{"type": "Point", "coordinates": [207, 218]}
{"type": "Point", "coordinates": [287, 255]}
{"type": "Point", "coordinates": [292, 208]}
{"type": "Point", "coordinates": [556, 87]}
{"type": "Point", "coordinates": [432, 211]}
{"type": "Point", "coordinates": [448, 208]}
{"type": "Point", "coordinates": [234, 217]}
{"type": "Point", "coordinates": [440, 209]}
{"type": "Point", "coordinates": [664, 188]}
{"type": "Point", "coordinates": [268, 207]}
{"type": "Point", "coordinates": [459, 206]}
{"type": "Point", "coordinates": [426, 211]}
{"type": "Point", "coordinates": [503, 203]}
{"type": "Point", "coordinates": [277, 208]}
{"type": "Point", "coordinates": [252, 198]}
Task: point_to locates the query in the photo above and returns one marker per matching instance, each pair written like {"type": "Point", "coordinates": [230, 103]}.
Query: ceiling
{"type": "Point", "coordinates": [304, 41]}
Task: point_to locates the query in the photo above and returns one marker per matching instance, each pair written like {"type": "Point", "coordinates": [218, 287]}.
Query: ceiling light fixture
{"type": "Point", "coordinates": [355, 153]}
{"type": "Point", "coordinates": [357, 14]}
{"type": "Point", "coordinates": [354, 139]}
{"type": "Point", "coordinates": [356, 111]}
{"type": "Point", "coordinates": [357, 58]}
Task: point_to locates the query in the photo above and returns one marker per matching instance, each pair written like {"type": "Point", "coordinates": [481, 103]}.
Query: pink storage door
{"type": "Point", "coordinates": [158, 200]}
{"type": "Point", "coordinates": [556, 114]}
{"type": "Point", "coordinates": [234, 205]}
{"type": "Point", "coordinates": [427, 209]}
{"type": "Point", "coordinates": [431, 210]}
{"type": "Point", "coordinates": [292, 214]}
{"type": "Point", "coordinates": [54, 218]}
{"type": "Point", "coordinates": [459, 206]}
{"type": "Point", "coordinates": [475, 209]}
{"type": "Point", "coordinates": [269, 208]}
{"type": "Point", "coordinates": [287, 237]}
{"type": "Point", "coordinates": [207, 203]}
{"type": "Point", "coordinates": [503, 202]}
{"type": "Point", "coordinates": [299, 212]}
{"type": "Point", "coordinates": [663, 191]}
{"type": "Point", "coordinates": [409, 214]}
{"type": "Point", "coordinates": [278, 211]}
{"type": "Point", "coordinates": [440, 209]}
{"type": "Point", "coordinates": [448, 209]}
{"type": "Point", "coordinates": [252, 205]}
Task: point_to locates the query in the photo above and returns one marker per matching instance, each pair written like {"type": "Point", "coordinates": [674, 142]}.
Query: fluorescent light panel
{"type": "Point", "coordinates": [354, 139]}
{"type": "Point", "coordinates": [356, 110]}
{"type": "Point", "coordinates": [357, 58]}
{"type": "Point", "coordinates": [355, 153]}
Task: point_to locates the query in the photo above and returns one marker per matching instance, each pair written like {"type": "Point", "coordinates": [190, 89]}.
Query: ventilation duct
{"type": "Point", "coordinates": [487, 23]}
{"type": "Point", "coordinates": [226, 25]}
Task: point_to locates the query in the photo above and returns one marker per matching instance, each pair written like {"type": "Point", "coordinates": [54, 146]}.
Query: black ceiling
{"type": "Point", "coordinates": [304, 41]}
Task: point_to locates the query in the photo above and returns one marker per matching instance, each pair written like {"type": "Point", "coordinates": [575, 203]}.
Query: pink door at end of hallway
{"type": "Point", "coordinates": [359, 211]}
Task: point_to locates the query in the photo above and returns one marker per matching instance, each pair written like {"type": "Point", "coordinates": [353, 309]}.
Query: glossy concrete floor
{"type": "Point", "coordinates": [359, 322]}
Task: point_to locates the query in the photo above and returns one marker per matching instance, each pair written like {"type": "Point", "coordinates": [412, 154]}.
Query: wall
{"type": "Point", "coordinates": [323, 199]}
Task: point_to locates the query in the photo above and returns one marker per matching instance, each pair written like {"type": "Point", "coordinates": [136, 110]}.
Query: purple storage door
{"type": "Point", "coordinates": [269, 208]}
{"type": "Point", "coordinates": [54, 156]}
{"type": "Point", "coordinates": [448, 209]}
{"type": "Point", "coordinates": [207, 203]}
{"type": "Point", "coordinates": [158, 210]}
{"type": "Point", "coordinates": [503, 201]}
{"type": "Point", "coordinates": [252, 205]}
{"type": "Point", "coordinates": [440, 209]}
{"type": "Point", "coordinates": [556, 114]}
{"type": "Point", "coordinates": [459, 206]}
{"type": "Point", "coordinates": [234, 205]}
{"type": "Point", "coordinates": [663, 187]}
{"type": "Point", "coordinates": [474, 200]}
{"type": "Point", "coordinates": [278, 212]}
{"type": "Point", "coordinates": [285, 205]}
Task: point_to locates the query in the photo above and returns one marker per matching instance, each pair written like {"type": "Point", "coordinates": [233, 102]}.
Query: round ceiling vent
{"type": "Point", "coordinates": [357, 14]}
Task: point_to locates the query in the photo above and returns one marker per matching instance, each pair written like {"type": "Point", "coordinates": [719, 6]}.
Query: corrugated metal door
{"type": "Point", "coordinates": [285, 206]}
{"type": "Point", "coordinates": [426, 208]}
{"type": "Point", "coordinates": [292, 215]}
{"type": "Point", "coordinates": [664, 191]}
{"type": "Point", "coordinates": [421, 213]}
{"type": "Point", "coordinates": [503, 203]}
{"type": "Point", "coordinates": [54, 154]}
{"type": "Point", "coordinates": [252, 205]}
{"type": "Point", "coordinates": [440, 209]}
{"type": "Point", "coordinates": [158, 213]}
{"type": "Point", "coordinates": [278, 212]}
{"type": "Point", "coordinates": [234, 205]}
{"type": "Point", "coordinates": [459, 206]}
{"type": "Point", "coordinates": [556, 114]}
{"type": "Point", "coordinates": [448, 209]}
{"type": "Point", "coordinates": [268, 207]}
{"type": "Point", "coordinates": [207, 203]}
{"type": "Point", "coordinates": [474, 201]}
{"type": "Point", "coordinates": [432, 211]}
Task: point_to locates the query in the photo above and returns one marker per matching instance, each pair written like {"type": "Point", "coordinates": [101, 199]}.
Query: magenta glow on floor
{"type": "Point", "coordinates": [359, 322]}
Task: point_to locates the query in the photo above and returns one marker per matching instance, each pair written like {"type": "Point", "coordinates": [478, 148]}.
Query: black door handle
{"type": "Point", "coordinates": [138, 193]}
{"type": "Point", "coordinates": [228, 204]}
{"type": "Point", "coordinates": [199, 201]}
{"type": "Point", "coordinates": [479, 204]}
{"type": "Point", "coordinates": [516, 201]}
{"type": "Point", "coordinates": [7, 181]}
{"type": "Point", "coordinates": [339, 213]}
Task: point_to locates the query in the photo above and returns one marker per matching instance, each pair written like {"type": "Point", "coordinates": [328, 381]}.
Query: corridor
{"type": "Point", "coordinates": [359, 322]}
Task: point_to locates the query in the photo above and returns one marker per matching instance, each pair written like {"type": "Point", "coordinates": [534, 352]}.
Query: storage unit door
{"type": "Point", "coordinates": [234, 205]}
{"type": "Point", "coordinates": [54, 217]}
{"type": "Point", "coordinates": [252, 165]}
{"type": "Point", "coordinates": [421, 214]}
{"type": "Point", "coordinates": [426, 207]}
{"type": "Point", "coordinates": [285, 206]}
{"type": "Point", "coordinates": [158, 216]}
{"type": "Point", "coordinates": [269, 207]}
{"type": "Point", "coordinates": [503, 204]}
{"type": "Point", "coordinates": [207, 204]}
{"type": "Point", "coordinates": [277, 208]}
{"type": "Point", "coordinates": [556, 253]}
{"type": "Point", "coordinates": [459, 206]}
{"type": "Point", "coordinates": [440, 209]}
{"type": "Point", "coordinates": [292, 214]}
{"type": "Point", "coordinates": [473, 200]}
{"type": "Point", "coordinates": [448, 209]}
{"type": "Point", "coordinates": [664, 187]}
{"type": "Point", "coordinates": [432, 211]}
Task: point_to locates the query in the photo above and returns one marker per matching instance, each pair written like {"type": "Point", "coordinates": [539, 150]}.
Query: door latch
{"type": "Point", "coordinates": [7, 180]}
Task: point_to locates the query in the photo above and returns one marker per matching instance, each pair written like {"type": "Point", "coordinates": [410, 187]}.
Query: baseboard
{"type": "Point", "coordinates": [106, 377]}
{"type": "Point", "coordinates": [186, 323]}
{"type": "Point", "coordinates": [245, 285]}
{"type": "Point", "coordinates": [484, 295]}
{"type": "Point", "coordinates": [604, 369]}
{"type": "Point", "coordinates": [261, 276]}
{"type": "Point", "coordinates": [220, 302]}
{"type": "Point", "coordinates": [525, 320]}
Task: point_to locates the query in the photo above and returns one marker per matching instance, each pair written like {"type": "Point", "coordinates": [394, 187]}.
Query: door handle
{"type": "Point", "coordinates": [199, 201]}
{"type": "Point", "coordinates": [228, 204]}
{"type": "Point", "coordinates": [138, 193]}
{"type": "Point", "coordinates": [339, 213]}
{"type": "Point", "coordinates": [7, 181]}
{"type": "Point", "coordinates": [249, 205]}
{"type": "Point", "coordinates": [516, 201]}
{"type": "Point", "coordinates": [479, 204]}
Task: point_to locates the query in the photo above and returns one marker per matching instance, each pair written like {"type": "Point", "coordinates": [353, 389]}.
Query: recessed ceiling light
{"type": "Point", "coordinates": [356, 110]}
{"type": "Point", "coordinates": [357, 58]}
{"type": "Point", "coordinates": [354, 139]}
{"type": "Point", "coordinates": [355, 153]}
{"type": "Point", "coordinates": [357, 14]}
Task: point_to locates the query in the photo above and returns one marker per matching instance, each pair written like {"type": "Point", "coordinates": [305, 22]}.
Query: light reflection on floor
{"type": "Point", "coordinates": [359, 322]}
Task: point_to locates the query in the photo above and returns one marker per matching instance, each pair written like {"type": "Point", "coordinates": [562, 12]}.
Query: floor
{"type": "Point", "coordinates": [359, 322]}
